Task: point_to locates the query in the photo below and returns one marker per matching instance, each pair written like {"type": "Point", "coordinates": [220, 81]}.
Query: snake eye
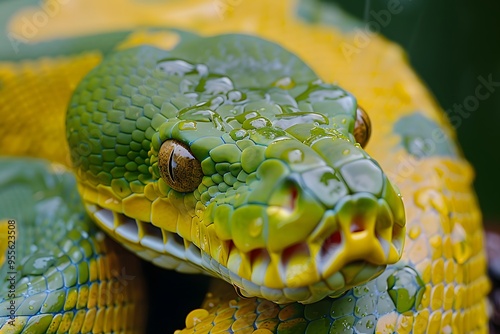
{"type": "Point", "coordinates": [178, 167]}
{"type": "Point", "coordinates": [362, 127]}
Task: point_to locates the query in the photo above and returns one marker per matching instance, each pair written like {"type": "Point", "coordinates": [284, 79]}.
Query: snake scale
{"type": "Point", "coordinates": [229, 139]}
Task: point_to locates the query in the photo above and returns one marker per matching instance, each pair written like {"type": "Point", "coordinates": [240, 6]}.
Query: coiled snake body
{"type": "Point", "coordinates": [236, 156]}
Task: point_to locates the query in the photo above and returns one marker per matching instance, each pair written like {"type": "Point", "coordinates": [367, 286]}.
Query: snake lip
{"type": "Point", "coordinates": [165, 249]}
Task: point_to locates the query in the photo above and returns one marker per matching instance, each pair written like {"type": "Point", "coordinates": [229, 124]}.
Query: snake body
{"type": "Point", "coordinates": [61, 274]}
{"type": "Point", "coordinates": [235, 156]}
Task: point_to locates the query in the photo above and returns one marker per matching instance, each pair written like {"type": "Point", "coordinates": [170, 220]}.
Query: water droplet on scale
{"type": "Point", "coordinates": [175, 67]}
{"type": "Point", "coordinates": [255, 228]}
{"type": "Point", "coordinates": [220, 85]}
{"type": "Point", "coordinates": [202, 70]}
{"type": "Point", "coordinates": [236, 96]}
{"type": "Point", "coordinates": [295, 156]}
{"type": "Point", "coordinates": [187, 125]}
{"type": "Point", "coordinates": [238, 134]}
{"type": "Point", "coordinates": [284, 83]}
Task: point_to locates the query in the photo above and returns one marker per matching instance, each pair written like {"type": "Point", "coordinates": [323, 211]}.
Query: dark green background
{"type": "Point", "coordinates": [450, 44]}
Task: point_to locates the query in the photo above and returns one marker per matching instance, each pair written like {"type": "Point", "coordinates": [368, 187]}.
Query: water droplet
{"type": "Point", "coordinates": [284, 83]}
{"type": "Point", "coordinates": [256, 123]}
{"type": "Point", "coordinates": [215, 86]}
{"type": "Point", "coordinates": [202, 70]}
{"type": "Point", "coordinates": [247, 115]}
{"type": "Point", "coordinates": [38, 264]}
{"type": "Point", "coordinates": [284, 121]}
{"type": "Point", "coordinates": [216, 102]}
{"type": "Point", "coordinates": [346, 151]}
{"type": "Point", "coordinates": [197, 113]}
{"type": "Point", "coordinates": [255, 227]}
{"type": "Point", "coordinates": [187, 126]}
{"type": "Point", "coordinates": [238, 134]}
{"type": "Point", "coordinates": [176, 67]}
{"type": "Point", "coordinates": [320, 94]}
{"type": "Point", "coordinates": [295, 156]}
{"type": "Point", "coordinates": [236, 96]}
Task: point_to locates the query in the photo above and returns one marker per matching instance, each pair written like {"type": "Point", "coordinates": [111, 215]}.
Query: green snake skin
{"type": "Point", "coordinates": [64, 272]}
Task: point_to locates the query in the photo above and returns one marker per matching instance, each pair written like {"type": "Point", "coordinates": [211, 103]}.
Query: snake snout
{"type": "Point", "coordinates": [304, 229]}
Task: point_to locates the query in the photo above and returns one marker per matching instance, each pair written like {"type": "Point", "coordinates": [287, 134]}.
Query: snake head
{"type": "Point", "coordinates": [228, 155]}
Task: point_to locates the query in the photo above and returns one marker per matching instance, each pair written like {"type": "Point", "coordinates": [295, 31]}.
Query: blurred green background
{"type": "Point", "coordinates": [450, 44]}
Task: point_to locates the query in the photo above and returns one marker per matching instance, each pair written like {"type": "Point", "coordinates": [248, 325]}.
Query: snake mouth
{"type": "Point", "coordinates": [344, 249]}
{"type": "Point", "coordinates": [168, 250]}
{"type": "Point", "coordinates": [351, 244]}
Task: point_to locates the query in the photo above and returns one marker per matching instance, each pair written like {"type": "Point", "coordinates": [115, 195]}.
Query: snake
{"type": "Point", "coordinates": [269, 151]}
